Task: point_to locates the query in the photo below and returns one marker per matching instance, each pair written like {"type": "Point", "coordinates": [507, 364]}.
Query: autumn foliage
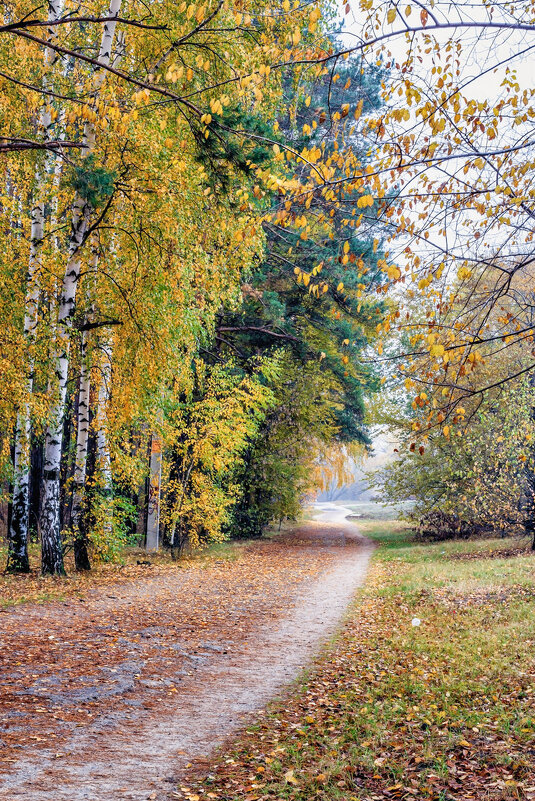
{"type": "Point", "coordinates": [136, 324]}
{"type": "Point", "coordinates": [204, 200]}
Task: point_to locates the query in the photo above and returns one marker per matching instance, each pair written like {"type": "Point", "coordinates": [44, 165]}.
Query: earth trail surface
{"type": "Point", "coordinates": [110, 696]}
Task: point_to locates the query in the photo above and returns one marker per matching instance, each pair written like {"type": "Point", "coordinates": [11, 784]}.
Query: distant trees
{"type": "Point", "coordinates": [468, 468]}
{"type": "Point", "coordinates": [474, 481]}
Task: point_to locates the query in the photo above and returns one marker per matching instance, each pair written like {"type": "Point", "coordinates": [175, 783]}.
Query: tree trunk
{"type": "Point", "coordinates": [49, 523]}
{"type": "Point", "coordinates": [153, 516]}
{"type": "Point", "coordinates": [81, 556]}
{"type": "Point", "coordinates": [36, 478]}
{"type": "Point", "coordinates": [79, 511]}
{"type": "Point", "coordinates": [17, 554]}
{"type": "Point", "coordinates": [17, 560]}
{"type": "Point", "coordinates": [529, 472]}
{"type": "Point", "coordinates": [143, 499]}
{"type": "Point", "coordinates": [49, 519]}
{"type": "Point", "coordinates": [103, 450]}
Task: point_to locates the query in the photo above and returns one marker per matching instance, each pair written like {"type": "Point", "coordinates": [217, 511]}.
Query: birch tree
{"type": "Point", "coordinates": [103, 447]}
{"type": "Point", "coordinates": [49, 519]}
{"type": "Point", "coordinates": [81, 557]}
{"type": "Point", "coordinates": [18, 530]}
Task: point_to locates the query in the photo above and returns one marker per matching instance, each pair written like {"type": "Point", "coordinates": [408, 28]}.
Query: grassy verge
{"type": "Point", "coordinates": [437, 711]}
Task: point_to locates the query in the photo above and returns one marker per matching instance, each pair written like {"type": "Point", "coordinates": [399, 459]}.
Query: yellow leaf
{"type": "Point", "coordinates": [296, 36]}
{"type": "Point", "coordinates": [290, 778]}
{"type": "Point", "coordinates": [340, 286]}
{"type": "Point", "coordinates": [358, 110]}
{"type": "Point", "coordinates": [391, 16]}
{"type": "Point", "coordinates": [463, 273]}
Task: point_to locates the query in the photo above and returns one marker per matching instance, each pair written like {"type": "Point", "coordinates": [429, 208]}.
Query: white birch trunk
{"type": "Point", "coordinates": [49, 518]}
{"type": "Point", "coordinates": [82, 436]}
{"type": "Point", "coordinates": [53, 294]}
{"type": "Point", "coordinates": [78, 513]}
{"type": "Point", "coordinates": [18, 531]}
{"type": "Point", "coordinates": [103, 449]}
{"type": "Point", "coordinates": [155, 483]}
{"type": "Point", "coordinates": [82, 416]}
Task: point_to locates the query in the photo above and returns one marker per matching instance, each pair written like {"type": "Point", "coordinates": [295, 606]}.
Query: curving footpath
{"type": "Point", "coordinates": [141, 756]}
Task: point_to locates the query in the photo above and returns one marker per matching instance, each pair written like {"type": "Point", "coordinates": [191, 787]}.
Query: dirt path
{"type": "Point", "coordinates": [110, 698]}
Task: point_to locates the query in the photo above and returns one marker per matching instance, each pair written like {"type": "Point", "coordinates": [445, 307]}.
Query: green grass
{"type": "Point", "coordinates": [443, 711]}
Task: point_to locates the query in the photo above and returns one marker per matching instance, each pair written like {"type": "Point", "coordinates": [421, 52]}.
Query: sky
{"type": "Point", "coordinates": [482, 50]}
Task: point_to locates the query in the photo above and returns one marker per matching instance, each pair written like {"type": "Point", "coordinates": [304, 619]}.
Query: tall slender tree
{"type": "Point", "coordinates": [49, 519]}
{"type": "Point", "coordinates": [18, 530]}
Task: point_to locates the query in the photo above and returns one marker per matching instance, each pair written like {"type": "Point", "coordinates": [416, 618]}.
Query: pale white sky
{"type": "Point", "coordinates": [482, 49]}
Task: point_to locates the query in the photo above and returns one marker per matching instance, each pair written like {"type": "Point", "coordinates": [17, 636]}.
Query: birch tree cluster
{"type": "Point", "coordinates": [162, 342]}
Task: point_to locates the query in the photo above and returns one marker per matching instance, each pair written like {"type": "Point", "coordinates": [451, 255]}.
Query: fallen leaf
{"type": "Point", "coordinates": [290, 778]}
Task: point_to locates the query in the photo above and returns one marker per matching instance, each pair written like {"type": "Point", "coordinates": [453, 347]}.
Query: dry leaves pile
{"type": "Point", "coordinates": [127, 642]}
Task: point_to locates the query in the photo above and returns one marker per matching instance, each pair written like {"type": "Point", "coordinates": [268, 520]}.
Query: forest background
{"type": "Point", "coordinates": [165, 378]}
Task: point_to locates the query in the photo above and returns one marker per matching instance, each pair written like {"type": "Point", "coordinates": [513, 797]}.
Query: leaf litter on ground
{"type": "Point", "coordinates": [443, 712]}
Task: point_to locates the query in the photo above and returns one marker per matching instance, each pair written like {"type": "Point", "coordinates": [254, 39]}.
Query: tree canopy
{"type": "Point", "coordinates": [225, 226]}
